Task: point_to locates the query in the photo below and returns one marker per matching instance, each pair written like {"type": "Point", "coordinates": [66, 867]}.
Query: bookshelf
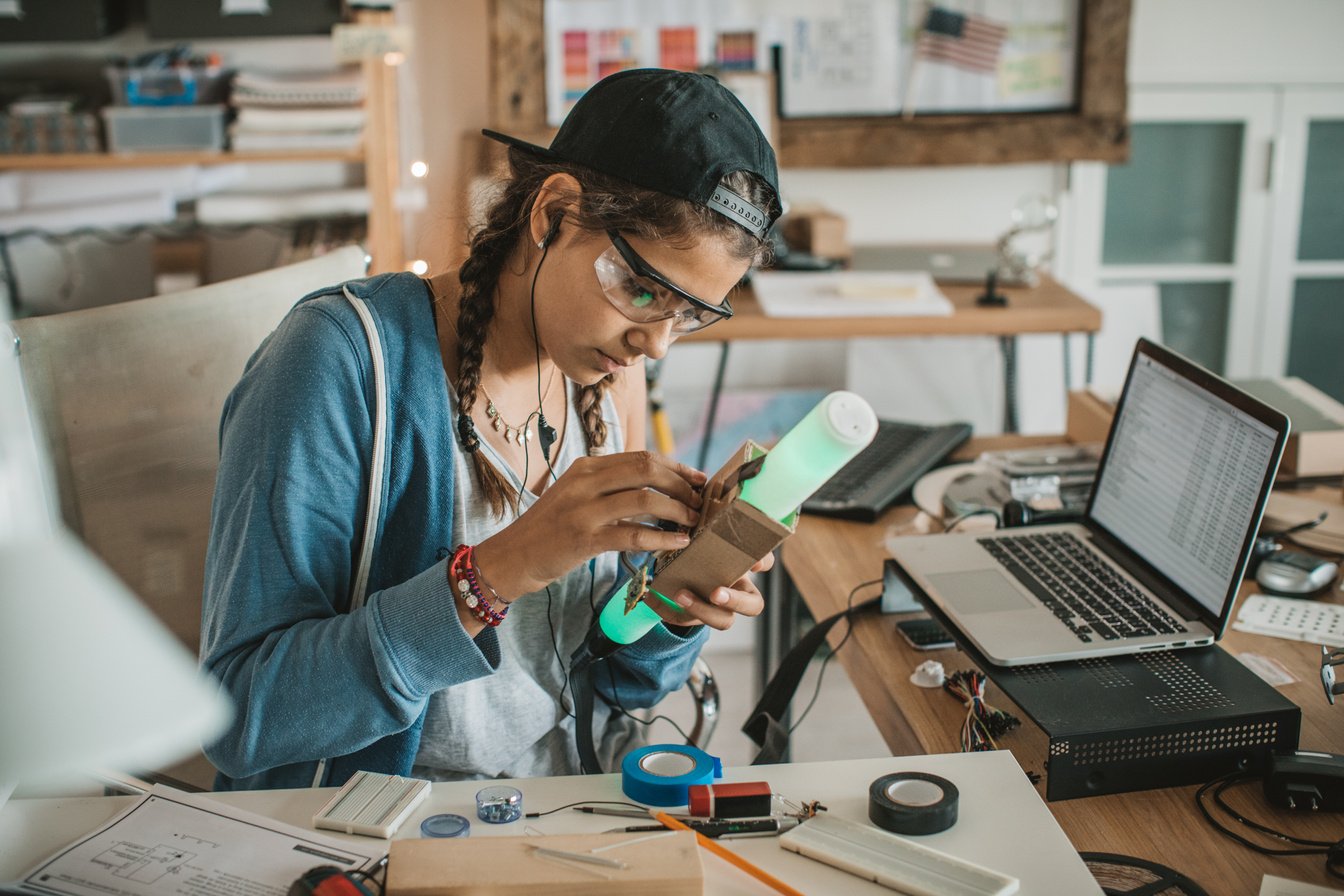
{"type": "Point", "coordinates": [379, 155]}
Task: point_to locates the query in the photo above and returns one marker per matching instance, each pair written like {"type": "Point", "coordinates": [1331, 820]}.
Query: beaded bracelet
{"type": "Point", "coordinates": [466, 578]}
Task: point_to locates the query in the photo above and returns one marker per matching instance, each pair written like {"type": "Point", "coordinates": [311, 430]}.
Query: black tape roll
{"type": "Point", "coordinates": [912, 803]}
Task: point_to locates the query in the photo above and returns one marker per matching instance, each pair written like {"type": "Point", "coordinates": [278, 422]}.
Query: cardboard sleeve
{"type": "Point", "coordinates": [732, 535]}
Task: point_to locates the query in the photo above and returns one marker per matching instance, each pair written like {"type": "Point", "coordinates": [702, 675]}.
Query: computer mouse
{"type": "Point", "coordinates": [1295, 574]}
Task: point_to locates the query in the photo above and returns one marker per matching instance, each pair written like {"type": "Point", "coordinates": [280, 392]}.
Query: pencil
{"type": "Point", "coordinates": [727, 855]}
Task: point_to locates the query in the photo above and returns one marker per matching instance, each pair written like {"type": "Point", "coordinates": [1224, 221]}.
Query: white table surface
{"type": "Point", "coordinates": [1003, 823]}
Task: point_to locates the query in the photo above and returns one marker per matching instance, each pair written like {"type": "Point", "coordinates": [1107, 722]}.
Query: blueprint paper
{"type": "Point", "coordinates": [170, 842]}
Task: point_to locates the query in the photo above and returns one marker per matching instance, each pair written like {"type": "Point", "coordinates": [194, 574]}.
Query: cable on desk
{"type": "Point", "coordinates": [1332, 850]}
{"type": "Point", "coordinates": [983, 723]}
{"type": "Point", "coordinates": [849, 629]}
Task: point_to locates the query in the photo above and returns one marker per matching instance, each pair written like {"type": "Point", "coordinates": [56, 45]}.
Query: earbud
{"type": "Point", "coordinates": [550, 233]}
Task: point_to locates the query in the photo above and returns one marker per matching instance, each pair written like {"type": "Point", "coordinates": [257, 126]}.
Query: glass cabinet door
{"type": "Point", "coordinates": [1304, 323]}
{"type": "Point", "coordinates": [1187, 214]}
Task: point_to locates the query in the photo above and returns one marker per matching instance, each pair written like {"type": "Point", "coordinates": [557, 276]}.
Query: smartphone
{"type": "Point", "coordinates": [924, 634]}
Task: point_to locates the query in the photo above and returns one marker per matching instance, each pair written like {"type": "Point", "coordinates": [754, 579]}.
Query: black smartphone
{"type": "Point", "coordinates": [924, 634]}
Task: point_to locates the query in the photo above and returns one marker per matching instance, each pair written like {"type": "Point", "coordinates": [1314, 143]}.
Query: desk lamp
{"type": "Point", "coordinates": [88, 677]}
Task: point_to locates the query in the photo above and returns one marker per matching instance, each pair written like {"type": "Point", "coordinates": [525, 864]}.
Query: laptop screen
{"type": "Point", "coordinates": [1184, 477]}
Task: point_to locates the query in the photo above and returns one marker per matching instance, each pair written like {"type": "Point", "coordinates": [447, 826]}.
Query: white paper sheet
{"type": "Point", "coordinates": [1272, 885]}
{"type": "Point", "coordinates": [850, 294]}
{"type": "Point", "coordinates": [183, 844]}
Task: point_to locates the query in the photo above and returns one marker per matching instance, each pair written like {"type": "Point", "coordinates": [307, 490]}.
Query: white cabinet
{"type": "Point", "coordinates": [1232, 207]}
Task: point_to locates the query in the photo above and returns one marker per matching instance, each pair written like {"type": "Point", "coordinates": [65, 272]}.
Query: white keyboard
{"type": "Point", "coordinates": [895, 862]}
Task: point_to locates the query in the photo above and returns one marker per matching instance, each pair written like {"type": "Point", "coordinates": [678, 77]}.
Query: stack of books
{"type": "Point", "coordinates": [298, 111]}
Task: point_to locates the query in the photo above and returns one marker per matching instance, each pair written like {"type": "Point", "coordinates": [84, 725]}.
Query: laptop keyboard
{"type": "Point", "coordinates": [1084, 592]}
{"type": "Point", "coordinates": [899, 454]}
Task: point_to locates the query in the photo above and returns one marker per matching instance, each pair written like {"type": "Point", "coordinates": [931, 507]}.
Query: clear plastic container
{"type": "Point", "coordinates": [164, 128]}
{"type": "Point", "coordinates": [179, 85]}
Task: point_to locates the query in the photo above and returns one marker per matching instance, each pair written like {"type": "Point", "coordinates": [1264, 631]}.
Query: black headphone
{"type": "Point", "coordinates": [550, 232]}
{"type": "Point", "coordinates": [546, 434]}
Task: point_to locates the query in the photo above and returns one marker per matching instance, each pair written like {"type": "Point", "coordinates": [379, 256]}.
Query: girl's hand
{"type": "Point", "coordinates": [589, 510]}
{"type": "Point", "coordinates": [720, 607]}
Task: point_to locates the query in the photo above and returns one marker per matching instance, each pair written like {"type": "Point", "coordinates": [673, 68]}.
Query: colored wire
{"type": "Point", "coordinates": [983, 723]}
{"type": "Point", "coordinates": [980, 511]}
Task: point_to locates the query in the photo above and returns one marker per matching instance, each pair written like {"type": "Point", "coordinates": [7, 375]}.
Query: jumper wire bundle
{"type": "Point", "coordinates": [983, 722]}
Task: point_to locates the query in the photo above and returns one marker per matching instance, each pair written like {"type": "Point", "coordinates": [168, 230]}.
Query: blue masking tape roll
{"type": "Point", "coordinates": [661, 774]}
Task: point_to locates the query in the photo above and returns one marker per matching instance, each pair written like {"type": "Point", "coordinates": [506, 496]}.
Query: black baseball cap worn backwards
{"type": "Point", "coordinates": [674, 132]}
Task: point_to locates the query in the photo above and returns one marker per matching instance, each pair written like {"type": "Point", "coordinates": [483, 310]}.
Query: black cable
{"type": "Point", "coordinates": [849, 630]}
{"type": "Point", "coordinates": [620, 708]}
{"type": "Point", "coordinates": [586, 803]}
{"type": "Point", "coordinates": [1332, 850]}
{"type": "Point", "coordinates": [544, 442]}
{"type": "Point", "coordinates": [555, 648]}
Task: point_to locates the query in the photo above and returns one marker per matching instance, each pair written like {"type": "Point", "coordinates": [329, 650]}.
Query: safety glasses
{"type": "Point", "coordinates": [644, 295]}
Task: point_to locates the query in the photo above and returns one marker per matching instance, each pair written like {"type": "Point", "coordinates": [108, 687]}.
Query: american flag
{"type": "Point", "coordinates": [962, 39]}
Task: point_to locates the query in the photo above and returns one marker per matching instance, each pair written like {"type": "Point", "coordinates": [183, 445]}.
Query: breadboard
{"type": "Point", "coordinates": [1293, 619]}
{"type": "Point", "coordinates": [895, 862]}
{"type": "Point", "coordinates": [372, 804]}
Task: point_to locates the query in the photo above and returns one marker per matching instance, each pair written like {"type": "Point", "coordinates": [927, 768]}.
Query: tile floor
{"type": "Point", "coordinates": [837, 727]}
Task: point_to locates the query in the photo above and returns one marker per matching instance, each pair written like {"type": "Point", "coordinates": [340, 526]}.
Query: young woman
{"type": "Point", "coordinates": [513, 463]}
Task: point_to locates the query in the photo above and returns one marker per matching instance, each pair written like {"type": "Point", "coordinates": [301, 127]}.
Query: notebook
{"type": "Point", "coordinates": [886, 470]}
{"type": "Point", "coordinates": [1157, 559]}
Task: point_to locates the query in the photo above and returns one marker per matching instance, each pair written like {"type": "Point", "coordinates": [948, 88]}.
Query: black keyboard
{"type": "Point", "coordinates": [886, 469]}
{"type": "Point", "coordinates": [1083, 591]}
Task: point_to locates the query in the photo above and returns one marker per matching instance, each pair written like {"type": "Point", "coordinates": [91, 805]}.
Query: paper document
{"type": "Point", "coordinates": [850, 294]}
{"type": "Point", "coordinates": [170, 842]}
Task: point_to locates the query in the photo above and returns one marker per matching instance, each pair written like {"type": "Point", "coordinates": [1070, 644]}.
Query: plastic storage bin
{"type": "Point", "coordinates": [164, 128]}
{"type": "Point", "coordinates": [175, 86]}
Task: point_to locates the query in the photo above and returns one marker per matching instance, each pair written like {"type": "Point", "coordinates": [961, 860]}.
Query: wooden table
{"type": "Point", "coordinates": [1047, 307]}
{"type": "Point", "coordinates": [826, 558]}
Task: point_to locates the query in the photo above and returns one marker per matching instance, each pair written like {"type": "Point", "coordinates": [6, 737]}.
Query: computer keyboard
{"type": "Point", "coordinates": [1083, 592]}
{"type": "Point", "coordinates": [885, 470]}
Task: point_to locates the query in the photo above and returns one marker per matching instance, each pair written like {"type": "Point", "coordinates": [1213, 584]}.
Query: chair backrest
{"type": "Point", "coordinates": [128, 399]}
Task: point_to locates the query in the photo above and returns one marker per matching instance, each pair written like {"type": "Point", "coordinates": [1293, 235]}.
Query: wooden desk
{"type": "Point", "coordinates": [1045, 308]}
{"type": "Point", "coordinates": [826, 558]}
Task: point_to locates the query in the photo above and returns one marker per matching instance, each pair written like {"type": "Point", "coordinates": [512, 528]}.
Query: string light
{"type": "Point", "coordinates": [419, 168]}
{"type": "Point", "coordinates": [394, 58]}
{"type": "Point", "coordinates": [419, 267]}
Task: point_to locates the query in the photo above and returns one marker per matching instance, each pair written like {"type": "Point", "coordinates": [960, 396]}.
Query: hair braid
{"type": "Point", "coordinates": [590, 411]}
{"type": "Point", "coordinates": [490, 248]}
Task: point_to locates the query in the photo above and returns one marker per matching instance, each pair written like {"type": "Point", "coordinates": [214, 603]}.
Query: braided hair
{"type": "Point", "coordinates": [603, 203]}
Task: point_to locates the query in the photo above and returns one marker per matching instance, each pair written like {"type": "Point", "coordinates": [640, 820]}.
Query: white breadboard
{"type": "Point", "coordinates": [372, 804]}
{"type": "Point", "coordinates": [1292, 618]}
{"type": "Point", "coordinates": [894, 862]}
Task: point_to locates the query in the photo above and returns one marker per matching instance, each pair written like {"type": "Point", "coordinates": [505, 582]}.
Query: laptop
{"type": "Point", "coordinates": [1158, 557]}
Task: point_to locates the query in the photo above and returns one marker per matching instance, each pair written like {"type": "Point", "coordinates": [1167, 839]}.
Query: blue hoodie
{"type": "Point", "coordinates": [311, 679]}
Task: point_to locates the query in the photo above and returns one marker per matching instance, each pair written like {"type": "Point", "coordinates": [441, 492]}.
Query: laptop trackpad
{"type": "Point", "coordinates": [979, 591]}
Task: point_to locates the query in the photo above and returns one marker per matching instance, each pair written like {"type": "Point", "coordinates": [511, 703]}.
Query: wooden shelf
{"type": "Point", "coordinates": [96, 161]}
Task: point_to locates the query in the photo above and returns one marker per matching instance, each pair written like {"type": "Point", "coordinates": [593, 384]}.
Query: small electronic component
{"type": "Point", "coordinates": [1306, 780]}
{"type": "Point", "coordinates": [372, 804]}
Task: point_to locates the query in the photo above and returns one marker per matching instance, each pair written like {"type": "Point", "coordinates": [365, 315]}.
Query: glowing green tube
{"type": "Point", "coordinates": [839, 427]}
{"type": "Point", "coordinates": [623, 627]}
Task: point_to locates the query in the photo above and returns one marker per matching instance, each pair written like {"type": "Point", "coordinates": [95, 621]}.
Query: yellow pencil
{"type": "Point", "coordinates": [727, 855]}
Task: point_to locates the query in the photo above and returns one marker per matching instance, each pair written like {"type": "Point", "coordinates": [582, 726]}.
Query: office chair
{"type": "Point", "coordinates": [128, 398]}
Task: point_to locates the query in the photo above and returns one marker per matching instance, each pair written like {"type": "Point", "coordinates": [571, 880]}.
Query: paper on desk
{"type": "Point", "coordinates": [1282, 886]}
{"type": "Point", "coordinates": [849, 294]}
{"type": "Point", "coordinates": [169, 842]}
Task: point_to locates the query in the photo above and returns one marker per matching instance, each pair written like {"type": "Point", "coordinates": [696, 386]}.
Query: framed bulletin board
{"type": "Point", "coordinates": [1094, 127]}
